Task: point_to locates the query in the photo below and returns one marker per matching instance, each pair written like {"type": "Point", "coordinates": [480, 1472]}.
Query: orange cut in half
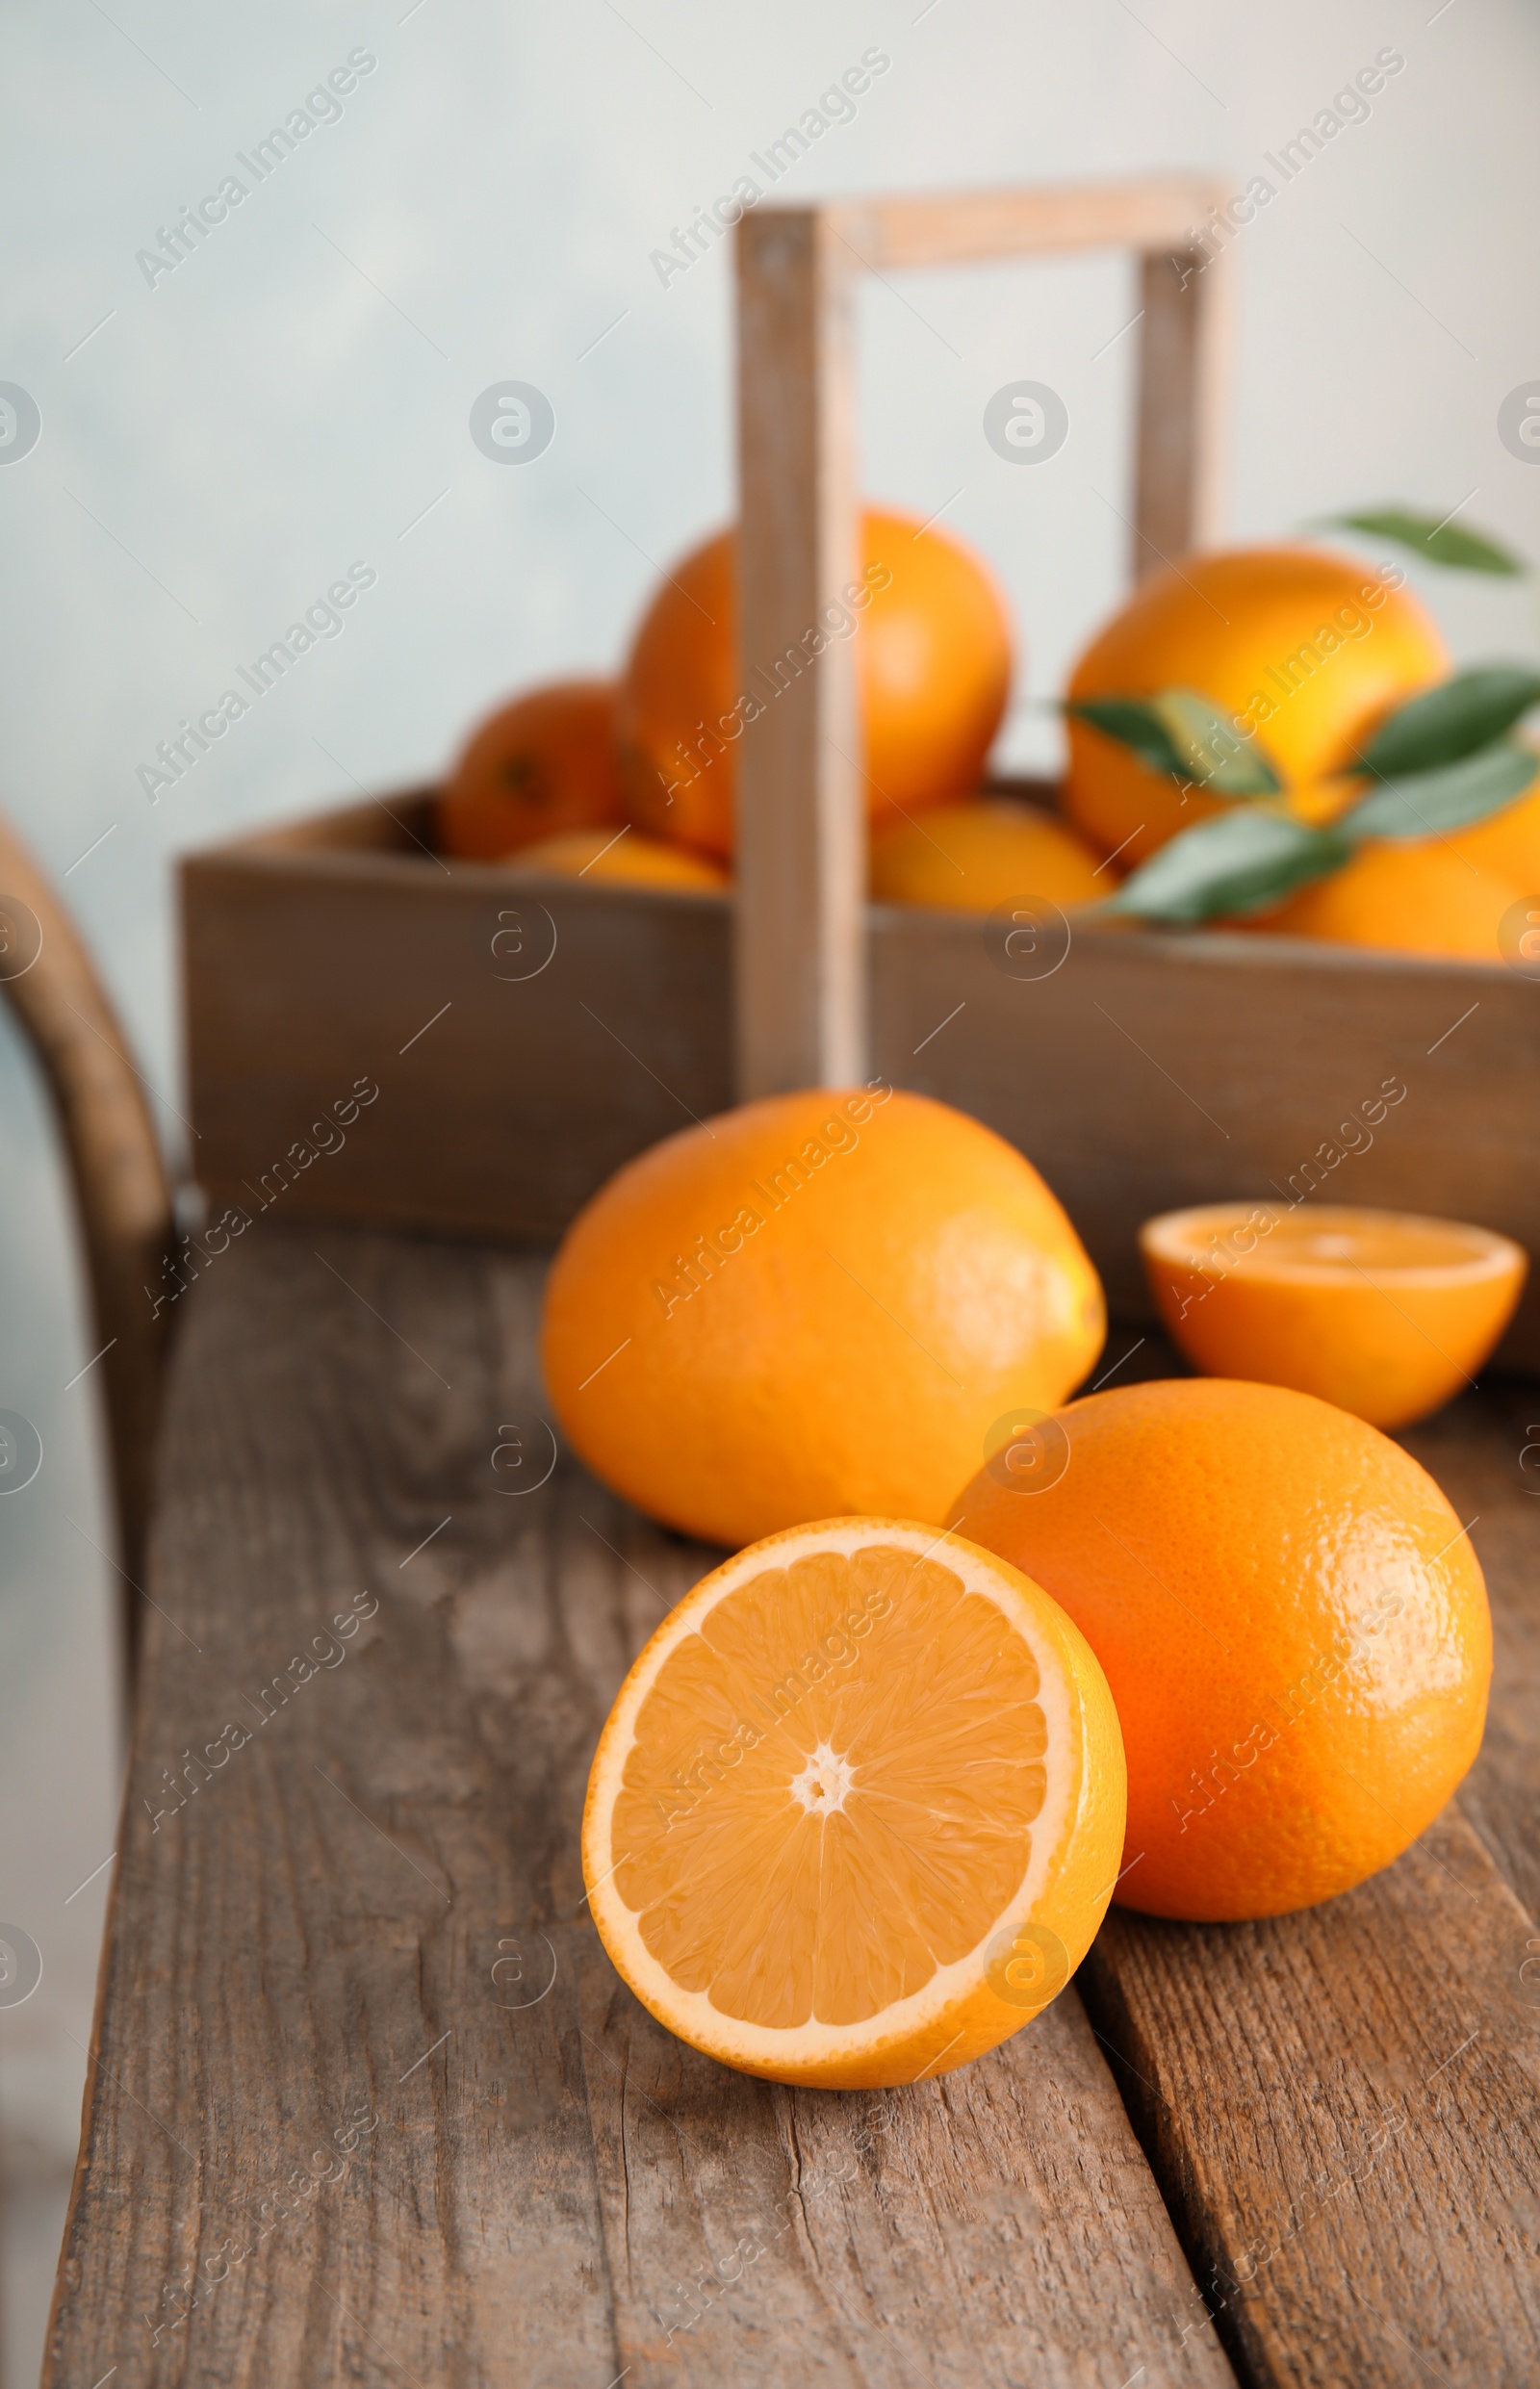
{"type": "Point", "coordinates": [1385, 1313]}
{"type": "Point", "coordinates": [858, 1807]}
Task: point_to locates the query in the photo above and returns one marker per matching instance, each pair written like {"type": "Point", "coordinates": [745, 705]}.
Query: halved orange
{"type": "Point", "coordinates": [1384, 1313]}
{"type": "Point", "coordinates": [858, 1807]}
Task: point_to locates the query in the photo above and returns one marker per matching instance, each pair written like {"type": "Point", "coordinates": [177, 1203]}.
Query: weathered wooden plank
{"type": "Point", "coordinates": [1485, 1453]}
{"type": "Point", "coordinates": [1343, 2107]}
{"type": "Point", "coordinates": [364, 1925]}
{"type": "Point", "coordinates": [998, 2227]}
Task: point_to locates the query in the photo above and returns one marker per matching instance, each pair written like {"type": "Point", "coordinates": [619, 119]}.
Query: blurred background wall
{"type": "Point", "coordinates": [231, 420]}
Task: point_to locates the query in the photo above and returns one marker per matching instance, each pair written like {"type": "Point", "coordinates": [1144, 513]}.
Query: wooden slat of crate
{"type": "Point", "coordinates": [345, 1916]}
{"type": "Point", "coordinates": [336, 952]}
{"type": "Point", "coordinates": [1155, 1070]}
{"type": "Point", "coordinates": [1149, 1071]}
{"type": "Point", "coordinates": [1155, 214]}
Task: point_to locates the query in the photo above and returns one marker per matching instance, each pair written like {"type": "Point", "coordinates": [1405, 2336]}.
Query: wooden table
{"type": "Point", "coordinates": [368, 2104]}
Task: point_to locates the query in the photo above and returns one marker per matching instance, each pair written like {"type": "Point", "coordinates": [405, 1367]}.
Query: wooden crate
{"type": "Point", "coordinates": [1148, 1069]}
{"type": "Point", "coordinates": [375, 1035]}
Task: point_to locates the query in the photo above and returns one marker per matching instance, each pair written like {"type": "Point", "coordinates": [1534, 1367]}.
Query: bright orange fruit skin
{"type": "Point", "coordinates": [968, 858]}
{"type": "Point", "coordinates": [631, 860]}
{"type": "Point", "coordinates": [933, 660]}
{"type": "Point", "coordinates": [1381, 1312]}
{"type": "Point", "coordinates": [968, 1742]}
{"type": "Point", "coordinates": [544, 763]}
{"type": "Point", "coordinates": [1414, 899]}
{"type": "Point", "coordinates": [1233, 625]}
{"type": "Point", "coordinates": [1292, 1624]}
{"type": "Point", "coordinates": [1506, 843]}
{"type": "Point", "coordinates": [814, 1304]}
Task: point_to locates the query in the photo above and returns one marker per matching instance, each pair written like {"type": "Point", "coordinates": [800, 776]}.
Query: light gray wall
{"type": "Point", "coordinates": [219, 447]}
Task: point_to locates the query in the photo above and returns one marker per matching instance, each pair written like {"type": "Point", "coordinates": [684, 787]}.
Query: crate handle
{"type": "Point", "coordinates": [800, 963]}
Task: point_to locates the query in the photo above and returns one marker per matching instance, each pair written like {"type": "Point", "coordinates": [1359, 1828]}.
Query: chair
{"type": "Point", "coordinates": [122, 1194]}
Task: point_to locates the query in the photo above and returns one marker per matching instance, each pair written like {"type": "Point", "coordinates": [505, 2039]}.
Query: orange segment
{"type": "Point", "coordinates": [856, 1811]}
{"type": "Point", "coordinates": [1384, 1313]}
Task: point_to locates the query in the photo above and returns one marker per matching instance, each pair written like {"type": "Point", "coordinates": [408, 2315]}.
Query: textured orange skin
{"type": "Point", "coordinates": [1217, 1543]}
{"type": "Point", "coordinates": [1080, 1890]}
{"type": "Point", "coordinates": [1218, 625]}
{"type": "Point", "coordinates": [1414, 899]}
{"type": "Point", "coordinates": [546, 762]}
{"type": "Point", "coordinates": [630, 861]}
{"type": "Point", "coordinates": [933, 661]}
{"type": "Point", "coordinates": [968, 858]}
{"type": "Point", "coordinates": [1506, 843]}
{"type": "Point", "coordinates": [1391, 1348]}
{"type": "Point", "coordinates": [784, 1389]}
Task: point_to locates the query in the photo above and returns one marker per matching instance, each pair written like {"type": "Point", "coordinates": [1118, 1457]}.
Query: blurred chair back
{"type": "Point", "coordinates": [122, 1195]}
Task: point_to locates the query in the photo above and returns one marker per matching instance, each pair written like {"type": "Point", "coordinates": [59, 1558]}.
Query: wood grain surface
{"type": "Point", "coordinates": [1343, 2107]}
{"type": "Point", "coordinates": [367, 2101]}
{"type": "Point", "coordinates": [799, 976]}
{"type": "Point", "coordinates": [522, 1037]}
{"type": "Point", "coordinates": [1486, 1455]}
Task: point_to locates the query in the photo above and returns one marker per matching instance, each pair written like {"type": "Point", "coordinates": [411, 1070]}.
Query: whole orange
{"type": "Point", "coordinates": [1292, 1623]}
{"type": "Point", "coordinates": [546, 762]}
{"type": "Point", "coordinates": [816, 1304]}
{"type": "Point", "coordinates": [1506, 843]}
{"type": "Point", "coordinates": [1305, 649]}
{"type": "Point", "coordinates": [620, 859]}
{"type": "Point", "coordinates": [968, 858]}
{"type": "Point", "coordinates": [932, 658]}
{"type": "Point", "coordinates": [1421, 898]}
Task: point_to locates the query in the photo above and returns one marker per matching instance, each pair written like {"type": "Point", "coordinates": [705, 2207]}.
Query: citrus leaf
{"type": "Point", "coordinates": [1137, 726]}
{"type": "Point", "coordinates": [1218, 755]}
{"type": "Point", "coordinates": [1436, 542]}
{"type": "Point", "coordinates": [1465, 714]}
{"type": "Point", "coordinates": [1424, 803]}
{"type": "Point", "coordinates": [1238, 861]}
{"type": "Point", "coordinates": [1181, 734]}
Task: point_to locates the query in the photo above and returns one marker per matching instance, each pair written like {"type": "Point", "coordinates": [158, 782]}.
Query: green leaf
{"type": "Point", "coordinates": [1135, 725]}
{"type": "Point", "coordinates": [1427, 802]}
{"type": "Point", "coordinates": [1463, 714]}
{"type": "Point", "coordinates": [1436, 542]}
{"type": "Point", "coordinates": [1218, 755]}
{"type": "Point", "coordinates": [1238, 861]}
{"type": "Point", "coordinates": [1181, 734]}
